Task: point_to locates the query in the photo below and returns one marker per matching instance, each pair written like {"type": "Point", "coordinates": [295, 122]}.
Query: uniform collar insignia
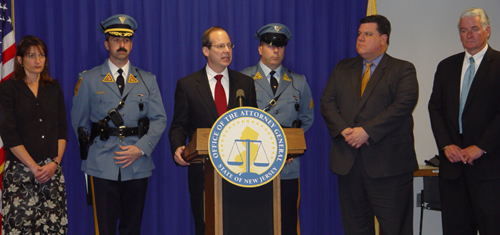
{"type": "Point", "coordinates": [286, 78]}
{"type": "Point", "coordinates": [108, 78]}
{"type": "Point", "coordinates": [132, 79]}
{"type": "Point", "coordinates": [257, 76]}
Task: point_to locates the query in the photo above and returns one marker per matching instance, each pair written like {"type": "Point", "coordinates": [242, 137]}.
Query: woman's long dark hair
{"type": "Point", "coordinates": [23, 48]}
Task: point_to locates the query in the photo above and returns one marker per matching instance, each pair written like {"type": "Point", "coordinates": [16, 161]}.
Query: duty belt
{"type": "Point", "coordinates": [121, 131]}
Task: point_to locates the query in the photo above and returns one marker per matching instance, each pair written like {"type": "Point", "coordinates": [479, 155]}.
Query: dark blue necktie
{"type": "Point", "coordinates": [120, 81]}
{"type": "Point", "coordinates": [274, 82]}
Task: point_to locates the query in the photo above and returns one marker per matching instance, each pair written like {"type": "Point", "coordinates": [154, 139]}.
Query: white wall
{"type": "Point", "coordinates": [425, 32]}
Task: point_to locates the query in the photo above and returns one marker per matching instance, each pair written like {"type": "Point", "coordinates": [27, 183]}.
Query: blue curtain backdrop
{"type": "Point", "coordinates": [168, 44]}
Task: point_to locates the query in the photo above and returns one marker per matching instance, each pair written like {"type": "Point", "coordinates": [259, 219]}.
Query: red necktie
{"type": "Point", "coordinates": [220, 96]}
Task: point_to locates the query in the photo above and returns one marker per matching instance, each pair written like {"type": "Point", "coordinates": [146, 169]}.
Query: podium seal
{"type": "Point", "coordinates": [247, 147]}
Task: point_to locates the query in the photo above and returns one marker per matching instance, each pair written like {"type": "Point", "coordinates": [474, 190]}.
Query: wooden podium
{"type": "Point", "coordinates": [198, 149]}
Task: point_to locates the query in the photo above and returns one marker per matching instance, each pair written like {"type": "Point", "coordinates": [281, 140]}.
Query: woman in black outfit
{"type": "Point", "coordinates": [34, 132]}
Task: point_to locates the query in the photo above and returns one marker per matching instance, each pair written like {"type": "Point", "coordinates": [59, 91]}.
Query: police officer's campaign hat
{"type": "Point", "coordinates": [274, 34]}
{"type": "Point", "coordinates": [120, 25]}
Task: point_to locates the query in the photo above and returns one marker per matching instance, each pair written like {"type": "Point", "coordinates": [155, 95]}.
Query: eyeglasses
{"type": "Point", "coordinates": [230, 46]}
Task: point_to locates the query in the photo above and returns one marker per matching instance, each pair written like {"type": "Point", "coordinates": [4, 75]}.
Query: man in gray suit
{"type": "Point", "coordinates": [367, 105]}
{"type": "Point", "coordinates": [287, 97]}
{"type": "Point", "coordinates": [119, 160]}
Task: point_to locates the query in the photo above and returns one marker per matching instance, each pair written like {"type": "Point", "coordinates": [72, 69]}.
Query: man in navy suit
{"type": "Point", "coordinates": [197, 105]}
{"type": "Point", "coordinates": [464, 110]}
{"type": "Point", "coordinates": [119, 161]}
{"type": "Point", "coordinates": [367, 105]}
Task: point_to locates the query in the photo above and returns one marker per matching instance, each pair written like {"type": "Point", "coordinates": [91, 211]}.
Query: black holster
{"type": "Point", "coordinates": [143, 126]}
{"type": "Point", "coordinates": [84, 142]}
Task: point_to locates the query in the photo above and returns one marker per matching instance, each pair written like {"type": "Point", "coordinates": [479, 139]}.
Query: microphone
{"type": "Point", "coordinates": [240, 96]}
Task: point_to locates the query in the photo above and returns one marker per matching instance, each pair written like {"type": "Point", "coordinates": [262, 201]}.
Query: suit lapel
{"type": "Point", "coordinates": [233, 87]}
{"type": "Point", "coordinates": [375, 78]}
{"type": "Point", "coordinates": [481, 73]}
{"type": "Point", "coordinates": [455, 73]}
{"type": "Point", "coordinates": [355, 77]}
{"type": "Point", "coordinates": [204, 89]}
{"type": "Point", "coordinates": [107, 78]}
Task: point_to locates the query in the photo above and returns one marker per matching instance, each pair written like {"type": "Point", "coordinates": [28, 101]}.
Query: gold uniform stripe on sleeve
{"type": "Point", "coordinates": [78, 85]}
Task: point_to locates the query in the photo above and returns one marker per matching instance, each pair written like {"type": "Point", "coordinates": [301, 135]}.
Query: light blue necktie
{"type": "Point", "coordinates": [469, 76]}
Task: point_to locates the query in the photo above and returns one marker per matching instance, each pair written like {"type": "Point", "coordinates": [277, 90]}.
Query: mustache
{"type": "Point", "coordinates": [122, 49]}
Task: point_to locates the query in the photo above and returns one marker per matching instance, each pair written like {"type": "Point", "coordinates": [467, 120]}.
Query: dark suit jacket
{"type": "Point", "coordinates": [195, 106]}
{"type": "Point", "coordinates": [480, 119]}
{"type": "Point", "coordinates": [384, 112]}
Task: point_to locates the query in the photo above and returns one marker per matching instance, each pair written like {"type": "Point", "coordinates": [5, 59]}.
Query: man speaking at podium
{"type": "Point", "coordinates": [200, 98]}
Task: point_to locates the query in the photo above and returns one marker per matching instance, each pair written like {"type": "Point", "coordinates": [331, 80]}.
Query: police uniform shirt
{"type": "Point", "coordinates": [125, 68]}
{"type": "Point", "coordinates": [212, 81]}
{"type": "Point", "coordinates": [267, 71]}
{"type": "Point", "coordinates": [113, 68]}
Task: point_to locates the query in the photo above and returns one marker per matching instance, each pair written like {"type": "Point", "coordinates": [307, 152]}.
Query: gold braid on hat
{"type": "Point", "coordinates": [120, 32]}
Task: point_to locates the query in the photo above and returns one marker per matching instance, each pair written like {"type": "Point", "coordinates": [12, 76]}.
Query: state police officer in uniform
{"type": "Point", "coordinates": [287, 97]}
{"type": "Point", "coordinates": [116, 103]}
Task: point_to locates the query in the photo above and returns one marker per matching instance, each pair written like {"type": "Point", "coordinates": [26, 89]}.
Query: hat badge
{"type": "Point", "coordinates": [122, 19]}
{"type": "Point", "coordinates": [277, 28]}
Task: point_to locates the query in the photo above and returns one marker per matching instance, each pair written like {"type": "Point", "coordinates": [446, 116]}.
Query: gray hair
{"type": "Point", "coordinates": [474, 11]}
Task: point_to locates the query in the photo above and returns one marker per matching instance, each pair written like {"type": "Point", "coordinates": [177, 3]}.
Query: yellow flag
{"type": "Point", "coordinates": [372, 8]}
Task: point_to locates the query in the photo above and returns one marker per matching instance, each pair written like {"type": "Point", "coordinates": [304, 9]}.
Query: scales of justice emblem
{"type": "Point", "coordinates": [247, 147]}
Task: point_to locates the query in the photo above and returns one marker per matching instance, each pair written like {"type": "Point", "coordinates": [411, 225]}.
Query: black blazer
{"type": "Point", "coordinates": [480, 119]}
{"type": "Point", "coordinates": [35, 122]}
{"type": "Point", "coordinates": [195, 106]}
{"type": "Point", "coordinates": [384, 112]}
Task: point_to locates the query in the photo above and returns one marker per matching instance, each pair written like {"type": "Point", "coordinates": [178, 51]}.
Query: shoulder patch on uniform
{"type": "Point", "coordinates": [78, 85]}
{"type": "Point", "coordinates": [257, 76]}
{"type": "Point", "coordinates": [311, 104]}
{"type": "Point", "coordinates": [132, 79]}
{"type": "Point", "coordinates": [286, 78]}
{"type": "Point", "coordinates": [108, 78]}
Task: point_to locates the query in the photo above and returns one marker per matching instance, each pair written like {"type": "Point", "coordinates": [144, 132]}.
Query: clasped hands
{"type": "Point", "coordinates": [466, 155]}
{"type": "Point", "coordinates": [44, 173]}
{"type": "Point", "coordinates": [355, 137]}
{"type": "Point", "coordinates": [129, 154]}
